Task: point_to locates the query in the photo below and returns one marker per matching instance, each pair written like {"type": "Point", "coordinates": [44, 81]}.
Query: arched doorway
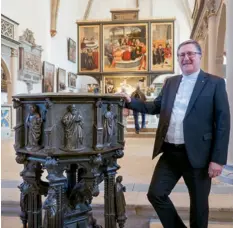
{"type": "Point", "coordinates": [6, 93]}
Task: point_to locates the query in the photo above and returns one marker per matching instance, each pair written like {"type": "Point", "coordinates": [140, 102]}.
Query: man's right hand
{"type": "Point", "coordinates": [127, 98]}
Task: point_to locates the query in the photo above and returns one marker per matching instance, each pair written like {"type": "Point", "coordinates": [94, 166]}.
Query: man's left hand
{"type": "Point", "coordinates": [214, 169]}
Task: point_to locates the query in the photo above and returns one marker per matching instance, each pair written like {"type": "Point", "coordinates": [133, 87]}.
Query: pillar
{"type": "Point", "coordinates": [227, 174]}
{"type": "Point", "coordinates": [12, 85]}
{"type": "Point", "coordinates": [212, 42]}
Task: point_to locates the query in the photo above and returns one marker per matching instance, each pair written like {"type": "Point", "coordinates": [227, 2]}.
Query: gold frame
{"type": "Point", "coordinates": [166, 55]}
{"type": "Point", "coordinates": [81, 35]}
{"type": "Point", "coordinates": [137, 60]}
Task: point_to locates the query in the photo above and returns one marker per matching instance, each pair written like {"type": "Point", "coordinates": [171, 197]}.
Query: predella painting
{"type": "Point", "coordinates": [162, 47]}
{"type": "Point", "coordinates": [125, 47]}
{"type": "Point", "coordinates": [115, 84]}
{"type": "Point", "coordinates": [89, 56]}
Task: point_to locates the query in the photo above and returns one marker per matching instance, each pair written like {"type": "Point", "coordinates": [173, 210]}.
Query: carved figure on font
{"type": "Point", "coordinates": [50, 206]}
{"type": "Point", "coordinates": [109, 124]}
{"type": "Point", "coordinates": [73, 126]}
{"type": "Point", "coordinates": [120, 202]}
{"type": "Point", "coordinates": [33, 123]}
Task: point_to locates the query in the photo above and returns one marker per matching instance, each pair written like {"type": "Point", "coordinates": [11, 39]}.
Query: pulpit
{"type": "Point", "coordinates": [76, 139]}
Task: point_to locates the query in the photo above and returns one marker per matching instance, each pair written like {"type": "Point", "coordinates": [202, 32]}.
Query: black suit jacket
{"type": "Point", "coordinates": [206, 123]}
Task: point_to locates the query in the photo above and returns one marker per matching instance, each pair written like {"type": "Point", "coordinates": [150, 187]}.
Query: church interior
{"type": "Point", "coordinates": [100, 48]}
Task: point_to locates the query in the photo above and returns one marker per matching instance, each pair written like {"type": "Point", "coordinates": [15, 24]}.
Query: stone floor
{"type": "Point", "coordinates": [136, 169]}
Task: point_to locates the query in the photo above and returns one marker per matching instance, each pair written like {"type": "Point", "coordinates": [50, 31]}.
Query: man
{"type": "Point", "coordinates": [138, 95]}
{"type": "Point", "coordinates": [193, 134]}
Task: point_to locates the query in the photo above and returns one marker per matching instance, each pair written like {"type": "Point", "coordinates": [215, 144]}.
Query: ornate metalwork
{"type": "Point", "coordinates": [109, 125]}
{"type": "Point", "coordinates": [50, 206]}
{"type": "Point", "coordinates": [120, 202]}
{"type": "Point", "coordinates": [73, 129]}
{"type": "Point", "coordinates": [34, 124]}
{"type": "Point", "coordinates": [68, 198]}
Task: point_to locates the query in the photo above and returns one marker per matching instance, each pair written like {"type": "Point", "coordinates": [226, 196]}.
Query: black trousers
{"type": "Point", "coordinates": [172, 165]}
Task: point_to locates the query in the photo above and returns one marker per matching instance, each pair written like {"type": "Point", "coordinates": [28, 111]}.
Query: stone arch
{"type": "Point", "coordinates": [221, 40]}
{"type": "Point", "coordinates": [205, 55]}
{"type": "Point", "coordinates": [6, 71]}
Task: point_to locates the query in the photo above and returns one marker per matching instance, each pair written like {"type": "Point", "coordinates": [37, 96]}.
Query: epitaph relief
{"type": "Point", "coordinates": [109, 125]}
{"type": "Point", "coordinates": [73, 129]}
{"type": "Point", "coordinates": [33, 126]}
{"type": "Point", "coordinates": [120, 202]}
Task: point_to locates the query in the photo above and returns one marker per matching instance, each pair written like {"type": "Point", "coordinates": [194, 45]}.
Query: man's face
{"type": "Point", "coordinates": [189, 59]}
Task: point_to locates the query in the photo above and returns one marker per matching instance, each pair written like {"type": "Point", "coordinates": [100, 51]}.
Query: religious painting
{"type": "Point", "coordinates": [89, 42]}
{"type": "Point", "coordinates": [72, 50]}
{"type": "Point", "coordinates": [61, 80]}
{"type": "Point", "coordinates": [162, 47]}
{"type": "Point", "coordinates": [125, 47]}
{"type": "Point", "coordinates": [116, 84]}
{"type": "Point", "coordinates": [48, 77]}
{"type": "Point", "coordinates": [91, 88]}
{"type": "Point", "coordinates": [72, 80]}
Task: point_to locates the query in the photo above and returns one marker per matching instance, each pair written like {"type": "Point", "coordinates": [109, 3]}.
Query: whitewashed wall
{"type": "Point", "coordinates": [35, 15]}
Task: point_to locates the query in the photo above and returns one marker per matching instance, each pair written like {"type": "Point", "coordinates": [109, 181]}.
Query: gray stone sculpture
{"type": "Point", "coordinates": [109, 125]}
{"type": "Point", "coordinates": [33, 123]}
{"type": "Point", "coordinates": [73, 127]}
{"type": "Point", "coordinates": [120, 202]}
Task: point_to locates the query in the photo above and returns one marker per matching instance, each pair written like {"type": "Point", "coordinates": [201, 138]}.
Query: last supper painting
{"type": "Point", "coordinates": [89, 55]}
{"type": "Point", "coordinates": [125, 47]}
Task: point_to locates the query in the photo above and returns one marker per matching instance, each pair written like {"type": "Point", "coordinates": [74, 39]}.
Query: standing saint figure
{"type": "Point", "coordinates": [73, 126]}
{"type": "Point", "coordinates": [109, 124]}
{"type": "Point", "coordinates": [33, 123]}
{"type": "Point", "coordinates": [120, 203]}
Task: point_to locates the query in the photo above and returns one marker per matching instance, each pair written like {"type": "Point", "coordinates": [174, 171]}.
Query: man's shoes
{"type": "Point", "coordinates": [137, 132]}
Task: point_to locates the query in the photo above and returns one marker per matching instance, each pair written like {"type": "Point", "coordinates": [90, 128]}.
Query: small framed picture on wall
{"type": "Point", "coordinates": [61, 79]}
{"type": "Point", "coordinates": [72, 80]}
{"type": "Point", "coordinates": [71, 50]}
{"type": "Point", "coordinates": [48, 77]}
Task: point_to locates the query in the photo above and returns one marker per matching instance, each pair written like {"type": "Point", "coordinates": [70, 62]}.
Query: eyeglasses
{"type": "Point", "coordinates": [190, 54]}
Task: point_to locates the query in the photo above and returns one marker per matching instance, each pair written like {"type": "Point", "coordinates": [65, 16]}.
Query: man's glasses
{"type": "Point", "coordinates": [190, 54]}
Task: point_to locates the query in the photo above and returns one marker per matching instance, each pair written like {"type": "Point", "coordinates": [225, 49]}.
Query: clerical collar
{"type": "Point", "coordinates": [191, 76]}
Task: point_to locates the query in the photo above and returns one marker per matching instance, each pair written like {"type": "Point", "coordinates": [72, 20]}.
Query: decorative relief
{"type": "Point", "coordinates": [73, 129]}
{"type": "Point", "coordinates": [109, 125]}
{"type": "Point", "coordinates": [50, 206]}
{"type": "Point", "coordinates": [32, 62]}
{"type": "Point", "coordinates": [120, 202]}
{"type": "Point", "coordinates": [211, 7]}
{"type": "Point", "coordinates": [28, 36]}
{"type": "Point", "coordinates": [14, 52]}
{"type": "Point", "coordinates": [30, 65]}
{"type": "Point", "coordinates": [33, 123]}
{"type": "Point", "coordinates": [7, 29]}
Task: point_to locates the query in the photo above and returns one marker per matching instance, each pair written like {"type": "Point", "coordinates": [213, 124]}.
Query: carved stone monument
{"type": "Point", "coordinates": [82, 135]}
{"type": "Point", "coordinates": [29, 60]}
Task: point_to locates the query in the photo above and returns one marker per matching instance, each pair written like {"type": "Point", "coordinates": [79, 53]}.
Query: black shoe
{"type": "Point", "coordinates": [137, 132]}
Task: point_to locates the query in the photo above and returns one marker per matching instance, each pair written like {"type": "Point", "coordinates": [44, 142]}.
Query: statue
{"type": "Point", "coordinates": [50, 207]}
{"type": "Point", "coordinates": [33, 123]}
{"type": "Point", "coordinates": [73, 126]}
{"type": "Point", "coordinates": [120, 202]}
{"type": "Point", "coordinates": [109, 124]}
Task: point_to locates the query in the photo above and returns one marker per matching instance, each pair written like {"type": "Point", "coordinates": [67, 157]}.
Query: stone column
{"type": "Point", "coordinates": [13, 82]}
{"type": "Point", "coordinates": [219, 66]}
{"type": "Point", "coordinates": [212, 42]}
{"type": "Point", "coordinates": [227, 175]}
